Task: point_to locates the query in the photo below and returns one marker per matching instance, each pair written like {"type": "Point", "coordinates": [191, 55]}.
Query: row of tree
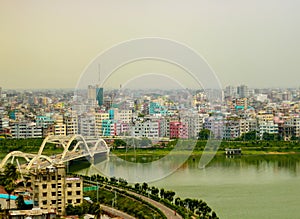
{"type": "Point", "coordinates": [182, 206]}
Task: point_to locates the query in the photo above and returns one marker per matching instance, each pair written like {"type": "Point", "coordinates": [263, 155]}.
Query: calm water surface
{"type": "Point", "coordinates": [264, 186]}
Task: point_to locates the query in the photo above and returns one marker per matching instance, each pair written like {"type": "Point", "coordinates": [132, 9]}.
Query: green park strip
{"type": "Point", "coordinates": [30, 145]}
{"type": "Point", "coordinates": [248, 148]}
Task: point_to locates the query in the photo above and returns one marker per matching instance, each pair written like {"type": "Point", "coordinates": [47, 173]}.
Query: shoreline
{"type": "Point", "coordinates": [161, 152]}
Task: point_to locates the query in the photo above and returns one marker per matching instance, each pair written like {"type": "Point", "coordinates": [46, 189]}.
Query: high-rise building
{"type": "Point", "coordinates": [243, 91]}
{"type": "Point", "coordinates": [99, 95]}
{"type": "Point", "coordinates": [91, 92]}
{"type": "Point", "coordinates": [230, 91]}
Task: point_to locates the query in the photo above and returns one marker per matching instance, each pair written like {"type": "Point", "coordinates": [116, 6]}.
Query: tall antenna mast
{"type": "Point", "coordinates": [99, 73]}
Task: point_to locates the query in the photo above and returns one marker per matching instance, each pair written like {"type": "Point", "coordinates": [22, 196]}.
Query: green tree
{"type": "Point", "coordinates": [249, 136]}
{"type": "Point", "coordinates": [205, 134]}
{"type": "Point", "coordinates": [20, 202]}
{"type": "Point", "coordinates": [8, 179]}
{"type": "Point", "coordinates": [162, 193]}
{"type": "Point", "coordinates": [145, 186]}
{"type": "Point", "coordinates": [9, 188]}
{"type": "Point", "coordinates": [119, 142]}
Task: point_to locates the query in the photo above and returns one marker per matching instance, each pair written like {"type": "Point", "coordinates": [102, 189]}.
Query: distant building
{"type": "Point", "coordinates": [178, 130]}
{"type": "Point", "coordinates": [87, 125]}
{"type": "Point", "coordinates": [243, 91]}
{"type": "Point", "coordinates": [26, 130]}
{"type": "Point", "coordinates": [4, 124]}
{"type": "Point", "coordinates": [99, 96]}
{"type": "Point", "coordinates": [267, 127]}
{"type": "Point", "coordinates": [44, 121]}
{"type": "Point", "coordinates": [230, 91]}
{"type": "Point", "coordinates": [195, 124]}
{"type": "Point", "coordinates": [215, 125]}
{"type": "Point", "coordinates": [71, 122]}
{"type": "Point", "coordinates": [148, 128]}
{"type": "Point", "coordinates": [99, 118]}
{"type": "Point", "coordinates": [54, 190]}
{"type": "Point", "coordinates": [59, 127]}
{"type": "Point", "coordinates": [91, 93]}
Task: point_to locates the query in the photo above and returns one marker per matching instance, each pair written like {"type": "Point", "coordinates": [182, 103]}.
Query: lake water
{"type": "Point", "coordinates": [260, 186]}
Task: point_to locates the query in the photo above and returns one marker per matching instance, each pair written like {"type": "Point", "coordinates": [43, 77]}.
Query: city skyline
{"type": "Point", "coordinates": [48, 44]}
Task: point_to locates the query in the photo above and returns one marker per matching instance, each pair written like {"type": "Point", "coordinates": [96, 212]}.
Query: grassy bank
{"type": "Point", "coordinates": [248, 148]}
{"type": "Point", "coordinates": [31, 145]}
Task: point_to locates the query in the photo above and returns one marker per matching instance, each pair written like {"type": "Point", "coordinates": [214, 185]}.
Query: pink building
{"type": "Point", "coordinates": [178, 130]}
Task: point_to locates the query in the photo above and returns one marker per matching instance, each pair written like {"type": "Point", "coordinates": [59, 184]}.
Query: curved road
{"type": "Point", "coordinates": [169, 213]}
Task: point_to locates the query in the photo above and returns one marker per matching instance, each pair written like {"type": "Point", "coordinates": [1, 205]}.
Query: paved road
{"type": "Point", "coordinates": [170, 214]}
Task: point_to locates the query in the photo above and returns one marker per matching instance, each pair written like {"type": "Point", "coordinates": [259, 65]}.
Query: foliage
{"type": "Point", "coordinates": [21, 203]}
{"type": "Point", "coordinates": [190, 207]}
{"type": "Point", "coordinates": [119, 142]}
{"type": "Point", "coordinates": [8, 179]}
{"type": "Point", "coordinates": [248, 136]}
{"type": "Point", "coordinates": [27, 145]}
{"type": "Point", "coordinates": [205, 134]}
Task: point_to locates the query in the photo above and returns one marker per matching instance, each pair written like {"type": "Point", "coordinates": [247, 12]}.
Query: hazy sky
{"type": "Point", "coordinates": [47, 44]}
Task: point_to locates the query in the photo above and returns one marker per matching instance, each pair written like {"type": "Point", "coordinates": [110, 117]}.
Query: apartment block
{"type": "Point", "coordinates": [53, 189]}
{"type": "Point", "coordinates": [26, 130]}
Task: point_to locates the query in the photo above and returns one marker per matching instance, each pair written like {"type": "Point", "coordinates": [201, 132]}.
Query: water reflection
{"type": "Point", "coordinates": [116, 167]}
{"type": "Point", "coordinates": [260, 186]}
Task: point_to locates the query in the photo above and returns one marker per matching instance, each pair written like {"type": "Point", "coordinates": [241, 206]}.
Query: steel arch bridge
{"type": "Point", "coordinates": [75, 146]}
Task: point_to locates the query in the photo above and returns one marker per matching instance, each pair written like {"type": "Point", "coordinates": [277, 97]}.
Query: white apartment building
{"type": "Point", "coordinates": [125, 116]}
{"type": "Point", "coordinates": [215, 125]}
{"type": "Point", "coordinates": [148, 128]}
{"type": "Point", "coordinates": [87, 125]}
{"type": "Point", "coordinates": [26, 130]}
{"type": "Point", "coordinates": [195, 124]}
{"type": "Point", "coordinates": [267, 127]}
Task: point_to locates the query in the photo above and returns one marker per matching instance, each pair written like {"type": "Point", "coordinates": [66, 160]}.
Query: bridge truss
{"type": "Point", "coordinates": [75, 146]}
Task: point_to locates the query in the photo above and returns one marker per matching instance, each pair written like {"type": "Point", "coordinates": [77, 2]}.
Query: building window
{"type": "Point", "coordinates": [77, 192]}
{"type": "Point", "coordinates": [69, 193]}
{"type": "Point", "coordinates": [44, 186]}
{"type": "Point", "coordinates": [53, 186]}
{"type": "Point", "coordinates": [69, 201]}
{"type": "Point", "coordinates": [44, 202]}
{"type": "Point", "coordinates": [44, 178]}
{"type": "Point", "coordinates": [53, 202]}
{"type": "Point", "coordinates": [44, 194]}
{"type": "Point", "coordinates": [78, 200]}
{"type": "Point", "coordinates": [53, 193]}
{"type": "Point", "coordinates": [69, 185]}
{"type": "Point", "coordinates": [77, 184]}
{"type": "Point", "coordinates": [59, 177]}
{"type": "Point", "coordinates": [53, 177]}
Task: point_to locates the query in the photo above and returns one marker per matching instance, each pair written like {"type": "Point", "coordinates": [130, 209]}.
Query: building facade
{"type": "Point", "coordinates": [54, 190]}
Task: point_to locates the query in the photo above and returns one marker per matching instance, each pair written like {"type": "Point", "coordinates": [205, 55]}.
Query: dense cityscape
{"type": "Point", "coordinates": [151, 114]}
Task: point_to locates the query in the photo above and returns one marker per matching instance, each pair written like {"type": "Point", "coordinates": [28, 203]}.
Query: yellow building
{"type": "Point", "coordinates": [54, 190]}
